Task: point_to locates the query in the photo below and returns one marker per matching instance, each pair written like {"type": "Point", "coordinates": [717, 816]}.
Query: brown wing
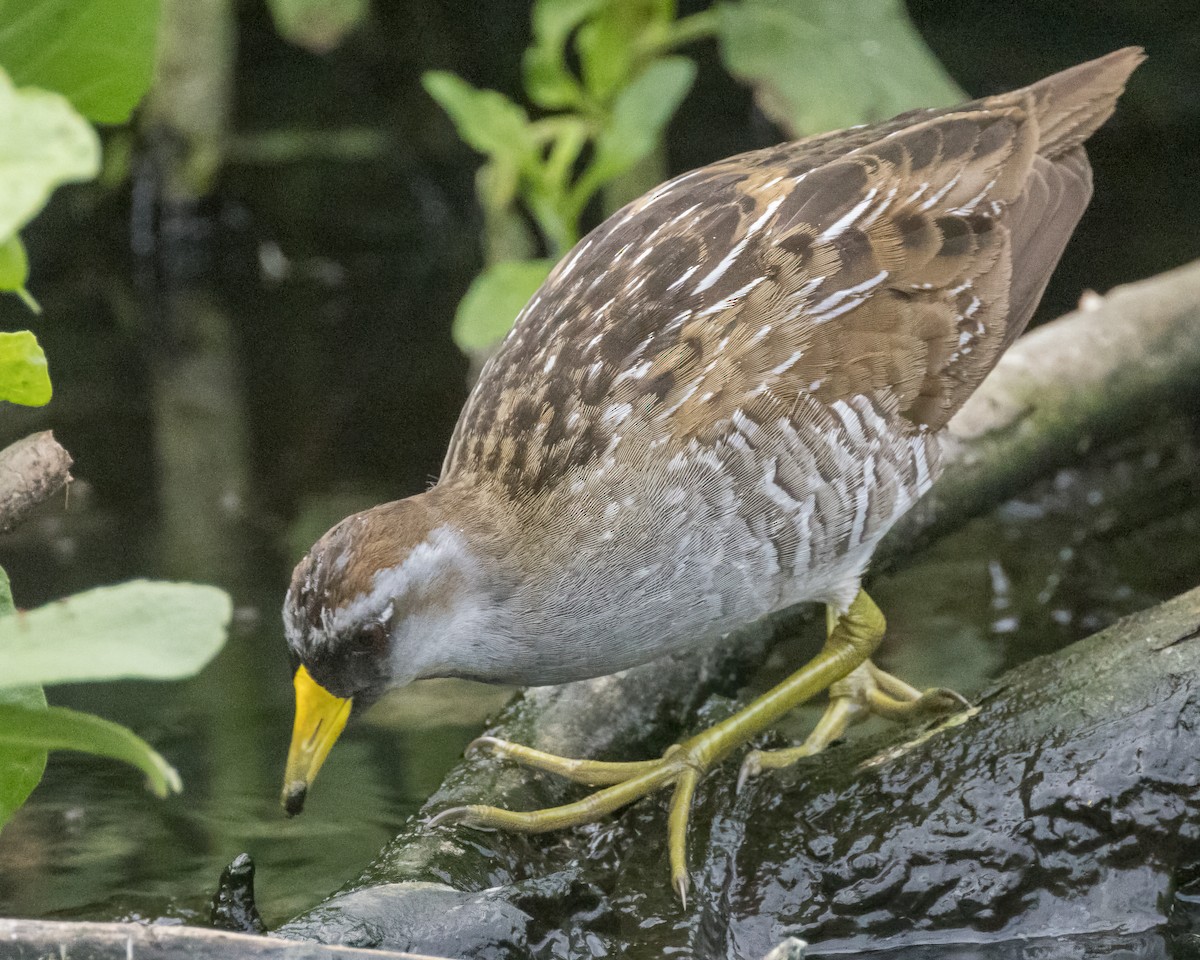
{"type": "Point", "coordinates": [895, 261]}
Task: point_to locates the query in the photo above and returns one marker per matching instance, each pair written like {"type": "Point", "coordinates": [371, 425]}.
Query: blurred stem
{"type": "Point", "coordinates": [558, 219]}
{"type": "Point", "coordinates": [699, 26]}
{"type": "Point", "coordinates": [191, 94]}
{"type": "Point", "coordinates": [564, 151]}
{"type": "Point", "coordinates": [202, 440]}
{"type": "Point", "coordinates": [642, 178]}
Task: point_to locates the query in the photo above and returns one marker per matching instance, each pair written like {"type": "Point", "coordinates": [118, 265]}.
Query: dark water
{"type": "Point", "coordinates": [277, 356]}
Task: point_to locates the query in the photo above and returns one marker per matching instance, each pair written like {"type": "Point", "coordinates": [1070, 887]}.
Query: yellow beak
{"type": "Point", "coordinates": [320, 718]}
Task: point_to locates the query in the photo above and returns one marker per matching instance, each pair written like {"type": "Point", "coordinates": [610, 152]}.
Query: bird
{"type": "Point", "coordinates": [714, 408]}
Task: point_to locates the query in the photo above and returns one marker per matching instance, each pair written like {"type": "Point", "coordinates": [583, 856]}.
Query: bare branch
{"type": "Point", "coordinates": [32, 470]}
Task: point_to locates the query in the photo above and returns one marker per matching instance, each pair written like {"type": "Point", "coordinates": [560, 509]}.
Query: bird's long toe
{"type": "Point", "coordinates": [866, 691]}
{"type": "Point", "coordinates": [592, 773]}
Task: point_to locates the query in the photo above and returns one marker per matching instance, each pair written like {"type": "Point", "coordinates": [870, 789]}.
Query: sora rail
{"type": "Point", "coordinates": [715, 407]}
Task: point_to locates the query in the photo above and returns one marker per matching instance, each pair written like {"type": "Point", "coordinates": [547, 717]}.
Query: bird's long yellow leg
{"type": "Point", "coordinates": [852, 638]}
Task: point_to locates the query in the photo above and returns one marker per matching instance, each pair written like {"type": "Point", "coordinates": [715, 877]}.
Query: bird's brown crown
{"type": "Point", "coordinates": [341, 566]}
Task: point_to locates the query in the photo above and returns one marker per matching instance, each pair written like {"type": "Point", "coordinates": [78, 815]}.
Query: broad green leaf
{"type": "Point", "coordinates": [548, 81]}
{"type": "Point", "coordinates": [137, 629]}
{"type": "Point", "coordinates": [14, 270]}
{"type": "Point", "coordinates": [816, 66]}
{"type": "Point", "coordinates": [317, 25]}
{"type": "Point", "coordinates": [57, 728]}
{"type": "Point", "coordinates": [639, 117]}
{"type": "Point", "coordinates": [487, 120]}
{"type": "Point", "coordinates": [44, 143]}
{"type": "Point", "coordinates": [24, 377]}
{"type": "Point", "coordinates": [494, 299]}
{"type": "Point", "coordinates": [607, 50]}
{"type": "Point", "coordinates": [21, 765]}
{"type": "Point", "coordinates": [21, 768]}
{"type": "Point", "coordinates": [99, 54]}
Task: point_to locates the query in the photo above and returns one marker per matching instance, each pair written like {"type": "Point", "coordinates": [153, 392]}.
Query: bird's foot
{"type": "Point", "coordinates": [682, 765]}
{"type": "Point", "coordinates": [864, 691]}
{"type": "Point", "coordinates": [853, 635]}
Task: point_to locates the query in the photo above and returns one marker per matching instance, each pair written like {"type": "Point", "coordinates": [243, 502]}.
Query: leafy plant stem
{"type": "Point", "coordinates": [564, 151]}
{"type": "Point", "coordinates": [699, 26]}
{"type": "Point", "coordinates": [557, 219]}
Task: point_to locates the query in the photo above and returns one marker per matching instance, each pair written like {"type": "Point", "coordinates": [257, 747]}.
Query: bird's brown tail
{"type": "Point", "coordinates": [1070, 106]}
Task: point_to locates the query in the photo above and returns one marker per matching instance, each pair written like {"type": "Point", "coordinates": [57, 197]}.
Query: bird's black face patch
{"type": "Point", "coordinates": [355, 665]}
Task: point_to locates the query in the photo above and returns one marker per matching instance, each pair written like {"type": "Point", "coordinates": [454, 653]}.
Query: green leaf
{"type": "Point", "coordinates": [45, 143]}
{"type": "Point", "coordinates": [6, 601]}
{"type": "Point", "coordinates": [494, 299]}
{"type": "Point", "coordinates": [99, 54]}
{"type": "Point", "coordinates": [317, 25]}
{"type": "Point", "coordinates": [815, 66]}
{"type": "Point", "coordinates": [639, 118]}
{"type": "Point", "coordinates": [21, 765]}
{"type": "Point", "coordinates": [21, 768]}
{"type": "Point", "coordinates": [136, 629]}
{"type": "Point", "coordinates": [14, 270]}
{"type": "Point", "coordinates": [23, 727]}
{"type": "Point", "coordinates": [24, 377]}
{"type": "Point", "coordinates": [487, 120]}
{"type": "Point", "coordinates": [14, 264]}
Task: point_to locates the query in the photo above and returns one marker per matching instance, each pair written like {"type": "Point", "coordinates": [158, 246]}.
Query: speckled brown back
{"type": "Point", "coordinates": [894, 262]}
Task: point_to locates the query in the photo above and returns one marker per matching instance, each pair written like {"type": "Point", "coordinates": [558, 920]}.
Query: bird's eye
{"type": "Point", "coordinates": [373, 638]}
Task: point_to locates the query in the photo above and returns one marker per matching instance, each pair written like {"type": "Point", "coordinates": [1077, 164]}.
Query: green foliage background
{"type": "Point", "coordinates": [811, 66]}
{"type": "Point", "coordinates": [63, 62]}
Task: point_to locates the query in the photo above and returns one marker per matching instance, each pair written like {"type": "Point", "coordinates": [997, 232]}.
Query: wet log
{"type": "Point", "coordinates": [1061, 389]}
